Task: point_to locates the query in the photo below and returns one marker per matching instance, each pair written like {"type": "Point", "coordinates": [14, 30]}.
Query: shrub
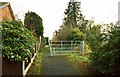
{"type": "Point", "coordinates": [105, 54]}
{"type": "Point", "coordinates": [18, 41]}
{"type": "Point", "coordinates": [76, 34]}
{"type": "Point", "coordinates": [0, 39]}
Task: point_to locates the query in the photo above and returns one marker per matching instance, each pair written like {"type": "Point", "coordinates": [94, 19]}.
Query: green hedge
{"type": "Point", "coordinates": [0, 39]}
{"type": "Point", "coordinates": [18, 41]}
{"type": "Point", "coordinates": [105, 56]}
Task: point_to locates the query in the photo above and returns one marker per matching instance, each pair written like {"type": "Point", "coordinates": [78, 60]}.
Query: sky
{"type": "Point", "coordinates": [52, 11]}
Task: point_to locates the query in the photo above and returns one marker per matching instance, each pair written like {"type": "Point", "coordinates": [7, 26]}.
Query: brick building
{"type": "Point", "coordinates": [6, 11]}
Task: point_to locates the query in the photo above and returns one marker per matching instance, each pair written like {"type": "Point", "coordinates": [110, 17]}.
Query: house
{"type": "Point", "coordinates": [6, 11]}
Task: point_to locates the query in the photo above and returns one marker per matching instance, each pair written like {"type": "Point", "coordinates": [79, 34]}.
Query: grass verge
{"type": "Point", "coordinates": [35, 68]}
{"type": "Point", "coordinates": [82, 62]}
{"type": "Point", "coordinates": [36, 65]}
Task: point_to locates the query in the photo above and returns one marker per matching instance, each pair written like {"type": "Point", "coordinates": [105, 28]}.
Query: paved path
{"type": "Point", "coordinates": [57, 65]}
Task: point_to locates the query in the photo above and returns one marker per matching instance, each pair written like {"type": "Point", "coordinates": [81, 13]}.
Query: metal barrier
{"type": "Point", "coordinates": [65, 47]}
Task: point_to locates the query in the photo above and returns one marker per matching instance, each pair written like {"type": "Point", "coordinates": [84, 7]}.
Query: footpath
{"type": "Point", "coordinates": [58, 65]}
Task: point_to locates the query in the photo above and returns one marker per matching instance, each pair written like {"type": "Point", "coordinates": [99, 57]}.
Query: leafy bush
{"type": "Point", "coordinates": [105, 54]}
{"type": "Point", "coordinates": [76, 34]}
{"type": "Point", "coordinates": [0, 39]}
{"type": "Point", "coordinates": [18, 41]}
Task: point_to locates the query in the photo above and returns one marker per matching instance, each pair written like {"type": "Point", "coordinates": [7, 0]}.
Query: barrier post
{"type": "Point", "coordinates": [83, 47]}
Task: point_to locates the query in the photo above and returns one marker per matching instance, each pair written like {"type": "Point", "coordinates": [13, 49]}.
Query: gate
{"type": "Point", "coordinates": [66, 47]}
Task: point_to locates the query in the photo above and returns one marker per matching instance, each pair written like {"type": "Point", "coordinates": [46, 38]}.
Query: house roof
{"type": "Point", "coordinates": [7, 4]}
{"type": "Point", "coordinates": [4, 4]}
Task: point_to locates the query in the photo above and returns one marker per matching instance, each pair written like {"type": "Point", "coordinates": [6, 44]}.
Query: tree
{"type": "Point", "coordinates": [72, 20]}
{"type": "Point", "coordinates": [73, 14]}
{"type": "Point", "coordinates": [34, 23]}
{"type": "Point", "coordinates": [63, 33]}
{"type": "Point", "coordinates": [76, 34]}
{"type": "Point", "coordinates": [92, 31]}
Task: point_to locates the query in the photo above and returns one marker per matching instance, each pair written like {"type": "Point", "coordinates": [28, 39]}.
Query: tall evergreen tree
{"type": "Point", "coordinates": [73, 14]}
{"type": "Point", "coordinates": [73, 19]}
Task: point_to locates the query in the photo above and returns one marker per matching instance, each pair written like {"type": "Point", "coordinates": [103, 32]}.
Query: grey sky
{"type": "Point", "coordinates": [52, 11]}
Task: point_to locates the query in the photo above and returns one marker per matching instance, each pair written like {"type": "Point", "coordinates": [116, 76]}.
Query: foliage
{"type": "Point", "coordinates": [78, 58]}
{"type": "Point", "coordinates": [76, 35]}
{"type": "Point", "coordinates": [3, 3]}
{"type": "Point", "coordinates": [75, 27]}
{"type": "Point", "coordinates": [35, 68]}
{"type": "Point", "coordinates": [46, 40]}
{"type": "Point", "coordinates": [104, 43]}
{"type": "Point", "coordinates": [43, 42]}
{"type": "Point", "coordinates": [0, 39]}
{"type": "Point", "coordinates": [18, 41]}
{"type": "Point", "coordinates": [34, 23]}
{"type": "Point", "coordinates": [87, 48]}
{"type": "Point", "coordinates": [72, 19]}
{"type": "Point", "coordinates": [63, 33]}
{"type": "Point", "coordinates": [72, 14]}
{"type": "Point", "coordinates": [105, 52]}
{"type": "Point", "coordinates": [92, 31]}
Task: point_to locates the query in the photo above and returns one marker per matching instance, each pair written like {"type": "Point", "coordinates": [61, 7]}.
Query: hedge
{"type": "Point", "coordinates": [105, 56]}
{"type": "Point", "coordinates": [18, 41]}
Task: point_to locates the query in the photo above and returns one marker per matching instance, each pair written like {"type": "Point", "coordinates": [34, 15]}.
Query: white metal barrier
{"type": "Point", "coordinates": [25, 70]}
{"type": "Point", "coordinates": [65, 47]}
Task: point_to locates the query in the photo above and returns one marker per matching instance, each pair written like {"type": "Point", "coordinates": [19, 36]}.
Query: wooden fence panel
{"type": "Point", "coordinates": [0, 65]}
{"type": "Point", "coordinates": [11, 67]}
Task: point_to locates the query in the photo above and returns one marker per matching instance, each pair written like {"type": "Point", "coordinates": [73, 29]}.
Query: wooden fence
{"type": "Point", "coordinates": [0, 64]}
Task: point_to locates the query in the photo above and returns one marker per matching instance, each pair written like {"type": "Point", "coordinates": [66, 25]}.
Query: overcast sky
{"type": "Point", "coordinates": [52, 11]}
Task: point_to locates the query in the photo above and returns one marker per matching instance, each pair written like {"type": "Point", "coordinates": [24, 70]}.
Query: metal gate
{"type": "Point", "coordinates": [66, 47]}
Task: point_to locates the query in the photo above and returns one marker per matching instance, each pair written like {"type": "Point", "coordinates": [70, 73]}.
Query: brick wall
{"type": "Point", "coordinates": [6, 13]}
